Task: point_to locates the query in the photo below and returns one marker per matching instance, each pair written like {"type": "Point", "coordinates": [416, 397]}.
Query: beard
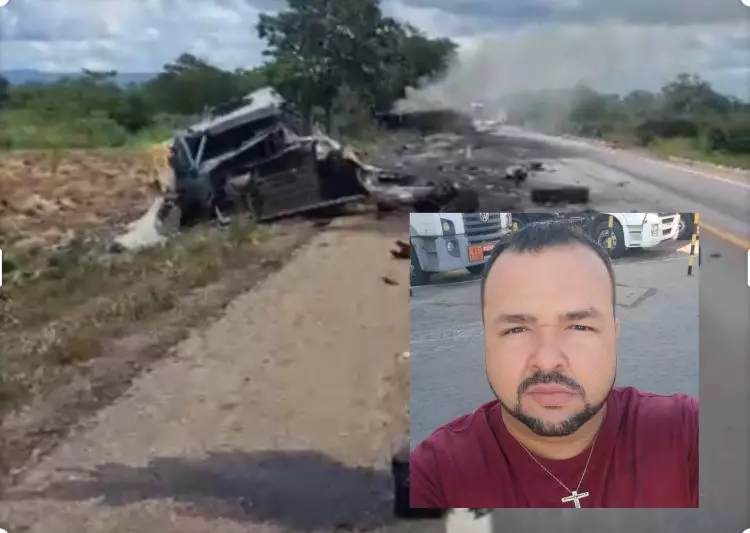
{"type": "Point", "coordinates": [559, 429]}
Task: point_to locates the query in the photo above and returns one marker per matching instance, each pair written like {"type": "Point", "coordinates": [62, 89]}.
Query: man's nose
{"type": "Point", "coordinates": [548, 355]}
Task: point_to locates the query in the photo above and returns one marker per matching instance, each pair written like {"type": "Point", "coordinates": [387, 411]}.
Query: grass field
{"type": "Point", "coordinates": [686, 148]}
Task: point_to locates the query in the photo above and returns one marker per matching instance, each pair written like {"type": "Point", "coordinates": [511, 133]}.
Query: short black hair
{"type": "Point", "coordinates": [538, 236]}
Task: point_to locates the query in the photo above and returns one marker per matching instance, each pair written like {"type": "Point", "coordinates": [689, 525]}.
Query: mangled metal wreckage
{"type": "Point", "coordinates": [251, 156]}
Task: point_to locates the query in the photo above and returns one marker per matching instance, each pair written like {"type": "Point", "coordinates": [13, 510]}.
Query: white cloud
{"type": "Point", "coordinates": [518, 43]}
{"type": "Point", "coordinates": [132, 36]}
{"type": "Point", "coordinates": [615, 56]}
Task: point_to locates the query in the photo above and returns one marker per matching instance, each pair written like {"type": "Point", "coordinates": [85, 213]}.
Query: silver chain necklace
{"type": "Point", "coordinates": [575, 496]}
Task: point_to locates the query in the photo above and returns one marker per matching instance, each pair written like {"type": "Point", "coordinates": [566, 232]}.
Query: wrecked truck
{"type": "Point", "coordinates": [252, 156]}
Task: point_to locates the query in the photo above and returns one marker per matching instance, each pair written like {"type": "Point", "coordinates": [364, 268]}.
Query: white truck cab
{"type": "Point", "coordinates": [442, 242]}
{"type": "Point", "coordinates": [636, 230]}
{"type": "Point", "coordinates": [629, 230]}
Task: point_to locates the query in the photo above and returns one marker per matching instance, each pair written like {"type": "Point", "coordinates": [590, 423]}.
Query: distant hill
{"type": "Point", "coordinates": [17, 77]}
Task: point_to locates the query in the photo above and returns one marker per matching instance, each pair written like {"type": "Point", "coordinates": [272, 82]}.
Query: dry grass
{"type": "Point", "coordinates": [59, 306]}
{"type": "Point", "coordinates": [77, 324]}
{"type": "Point", "coordinates": [62, 317]}
{"type": "Point", "coordinates": [71, 341]}
{"type": "Point", "coordinates": [48, 197]}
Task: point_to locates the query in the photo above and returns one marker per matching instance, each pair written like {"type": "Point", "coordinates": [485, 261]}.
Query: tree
{"type": "Point", "coordinates": [4, 91]}
{"type": "Point", "coordinates": [190, 84]}
{"type": "Point", "coordinates": [314, 44]}
{"type": "Point", "coordinates": [405, 58]}
{"type": "Point", "coordinates": [689, 94]}
{"type": "Point", "coordinates": [641, 104]}
{"type": "Point", "coordinates": [326, 47]}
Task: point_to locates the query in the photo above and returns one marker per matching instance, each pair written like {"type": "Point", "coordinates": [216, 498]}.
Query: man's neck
{"type": "Point", "coordinates": [555, 447]}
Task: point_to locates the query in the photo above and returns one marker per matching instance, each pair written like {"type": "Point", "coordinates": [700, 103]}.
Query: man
{"type": "Point", "coordinates": [559, 433]}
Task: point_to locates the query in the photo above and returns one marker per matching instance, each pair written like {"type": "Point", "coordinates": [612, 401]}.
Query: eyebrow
{"type": "Point", "coordinates": [523, 318]}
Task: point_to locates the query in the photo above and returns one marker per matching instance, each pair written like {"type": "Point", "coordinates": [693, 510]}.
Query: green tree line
{"type": "Point", "coordinates": [686, 117]}
{"type": "Point", "coordinates": [337, 63]}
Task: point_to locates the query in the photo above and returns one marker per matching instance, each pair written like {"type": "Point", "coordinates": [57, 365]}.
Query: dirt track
{"type": "Point", "coordinates": [281, 416]}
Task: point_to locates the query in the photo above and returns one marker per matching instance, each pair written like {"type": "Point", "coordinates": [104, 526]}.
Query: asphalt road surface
{"type": "Point", "coordinates": [624, 181]}
{"type": "Point", "coordinates": [621, 181]}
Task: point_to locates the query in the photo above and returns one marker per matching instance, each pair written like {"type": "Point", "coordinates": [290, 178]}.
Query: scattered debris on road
{"type": "Point", "coordinates": [251, 156]}
{"type": "Point", "coordinates": [154, 227]}
{"type": "Point", "coordinates": [403, 251]}
{"type": "Point", "coordinates": [565, 194]}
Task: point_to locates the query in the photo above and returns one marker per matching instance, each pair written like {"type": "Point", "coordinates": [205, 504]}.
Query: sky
{"type": "Point", "coordinates": [506, 45]}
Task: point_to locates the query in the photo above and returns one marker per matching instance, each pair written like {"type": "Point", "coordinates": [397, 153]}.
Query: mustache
{"type": "Point", "coordinates": [542, 378]}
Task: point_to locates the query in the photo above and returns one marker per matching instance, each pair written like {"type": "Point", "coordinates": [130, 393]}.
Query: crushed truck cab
{"type": "Point", "coordinates": [251, 155]}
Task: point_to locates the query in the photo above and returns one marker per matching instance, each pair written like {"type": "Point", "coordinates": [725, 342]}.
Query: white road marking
{"type": "Point", "coordinates": [693, 171]}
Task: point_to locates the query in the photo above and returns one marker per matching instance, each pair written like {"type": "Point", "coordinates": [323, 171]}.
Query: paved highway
{"type": "Point", "coordinates": [621, 181]}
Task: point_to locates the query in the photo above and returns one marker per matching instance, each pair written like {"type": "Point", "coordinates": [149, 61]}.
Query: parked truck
{"type": "Point", "coordinates": [629, 230]}
{"type": "Point", "coordinates": [442, 242]}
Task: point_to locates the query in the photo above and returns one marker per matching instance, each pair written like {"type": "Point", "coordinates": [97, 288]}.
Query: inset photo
{"type": "Point", "coordinates": [554, 360]}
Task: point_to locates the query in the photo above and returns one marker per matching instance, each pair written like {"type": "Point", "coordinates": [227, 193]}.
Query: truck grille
{"type": "Point", "coordinates": [479, 231]}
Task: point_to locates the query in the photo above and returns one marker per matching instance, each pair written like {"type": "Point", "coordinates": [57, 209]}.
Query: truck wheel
{"type": "Point", "coordinates": [618, 239]}
{"type": "Point", "coordinates": [518, 222]}
{"type": "Point", "coordinates": [686, 227]}
{"type": "Point", "coordinates": [417, 276]}
{"type": "Point", "coordinates": [475, 270]}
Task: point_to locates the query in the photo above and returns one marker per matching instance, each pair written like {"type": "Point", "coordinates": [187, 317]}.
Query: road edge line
{"type": "Point", "coordinates": [726, 236]}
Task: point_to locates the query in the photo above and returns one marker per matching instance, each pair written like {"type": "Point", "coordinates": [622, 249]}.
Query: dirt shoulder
{"type": "Point", "coordinates": [280, 416]}
{"type": "Point", "coordinates": [72, 340]}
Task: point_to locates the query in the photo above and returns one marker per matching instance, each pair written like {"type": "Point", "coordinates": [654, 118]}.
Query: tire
{"type": "Point", "coordinates": [601, 232]}
{"type": "Point", "coordinates": [686, 227]}
{"type": "Point", "coordinates": [475, 270]}
{"type": "Point", "coordinates": [417, 276]}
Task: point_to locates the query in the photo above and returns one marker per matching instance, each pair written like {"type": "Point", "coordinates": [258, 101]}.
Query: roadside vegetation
{"type": "Point", "coordinates": [75, 159]}
{"type": "Point", "coordinates": [364, 65]}
{"type": "Point", "coordinates": [686, 118]}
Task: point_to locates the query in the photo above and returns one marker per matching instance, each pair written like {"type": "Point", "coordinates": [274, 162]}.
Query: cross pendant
{"type": "Point", "coordinates": [575, 498]}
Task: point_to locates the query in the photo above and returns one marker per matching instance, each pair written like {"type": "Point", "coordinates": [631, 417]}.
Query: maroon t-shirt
{"type": "Point", "coordinates": [646, 455]}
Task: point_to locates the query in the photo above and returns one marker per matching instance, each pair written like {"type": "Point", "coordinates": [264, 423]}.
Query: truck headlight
{"type": "Point", "coordinates": [654, 230]}
{"type": "Point", "coordinates": [447, 226]}
{"type": "Point", "coordinates": [449, 246]}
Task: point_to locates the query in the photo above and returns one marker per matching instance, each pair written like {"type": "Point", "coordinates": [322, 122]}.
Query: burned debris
{"type": "Point", "coordinates": [252, 157]}
{"type": "Point", "coordinates": [559, 194]}
{"type": "Point", "coordinates": [402, 251]}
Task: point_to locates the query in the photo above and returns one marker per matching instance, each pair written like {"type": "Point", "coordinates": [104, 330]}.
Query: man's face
{"type": "Point", "coordinates": [550, 336]}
